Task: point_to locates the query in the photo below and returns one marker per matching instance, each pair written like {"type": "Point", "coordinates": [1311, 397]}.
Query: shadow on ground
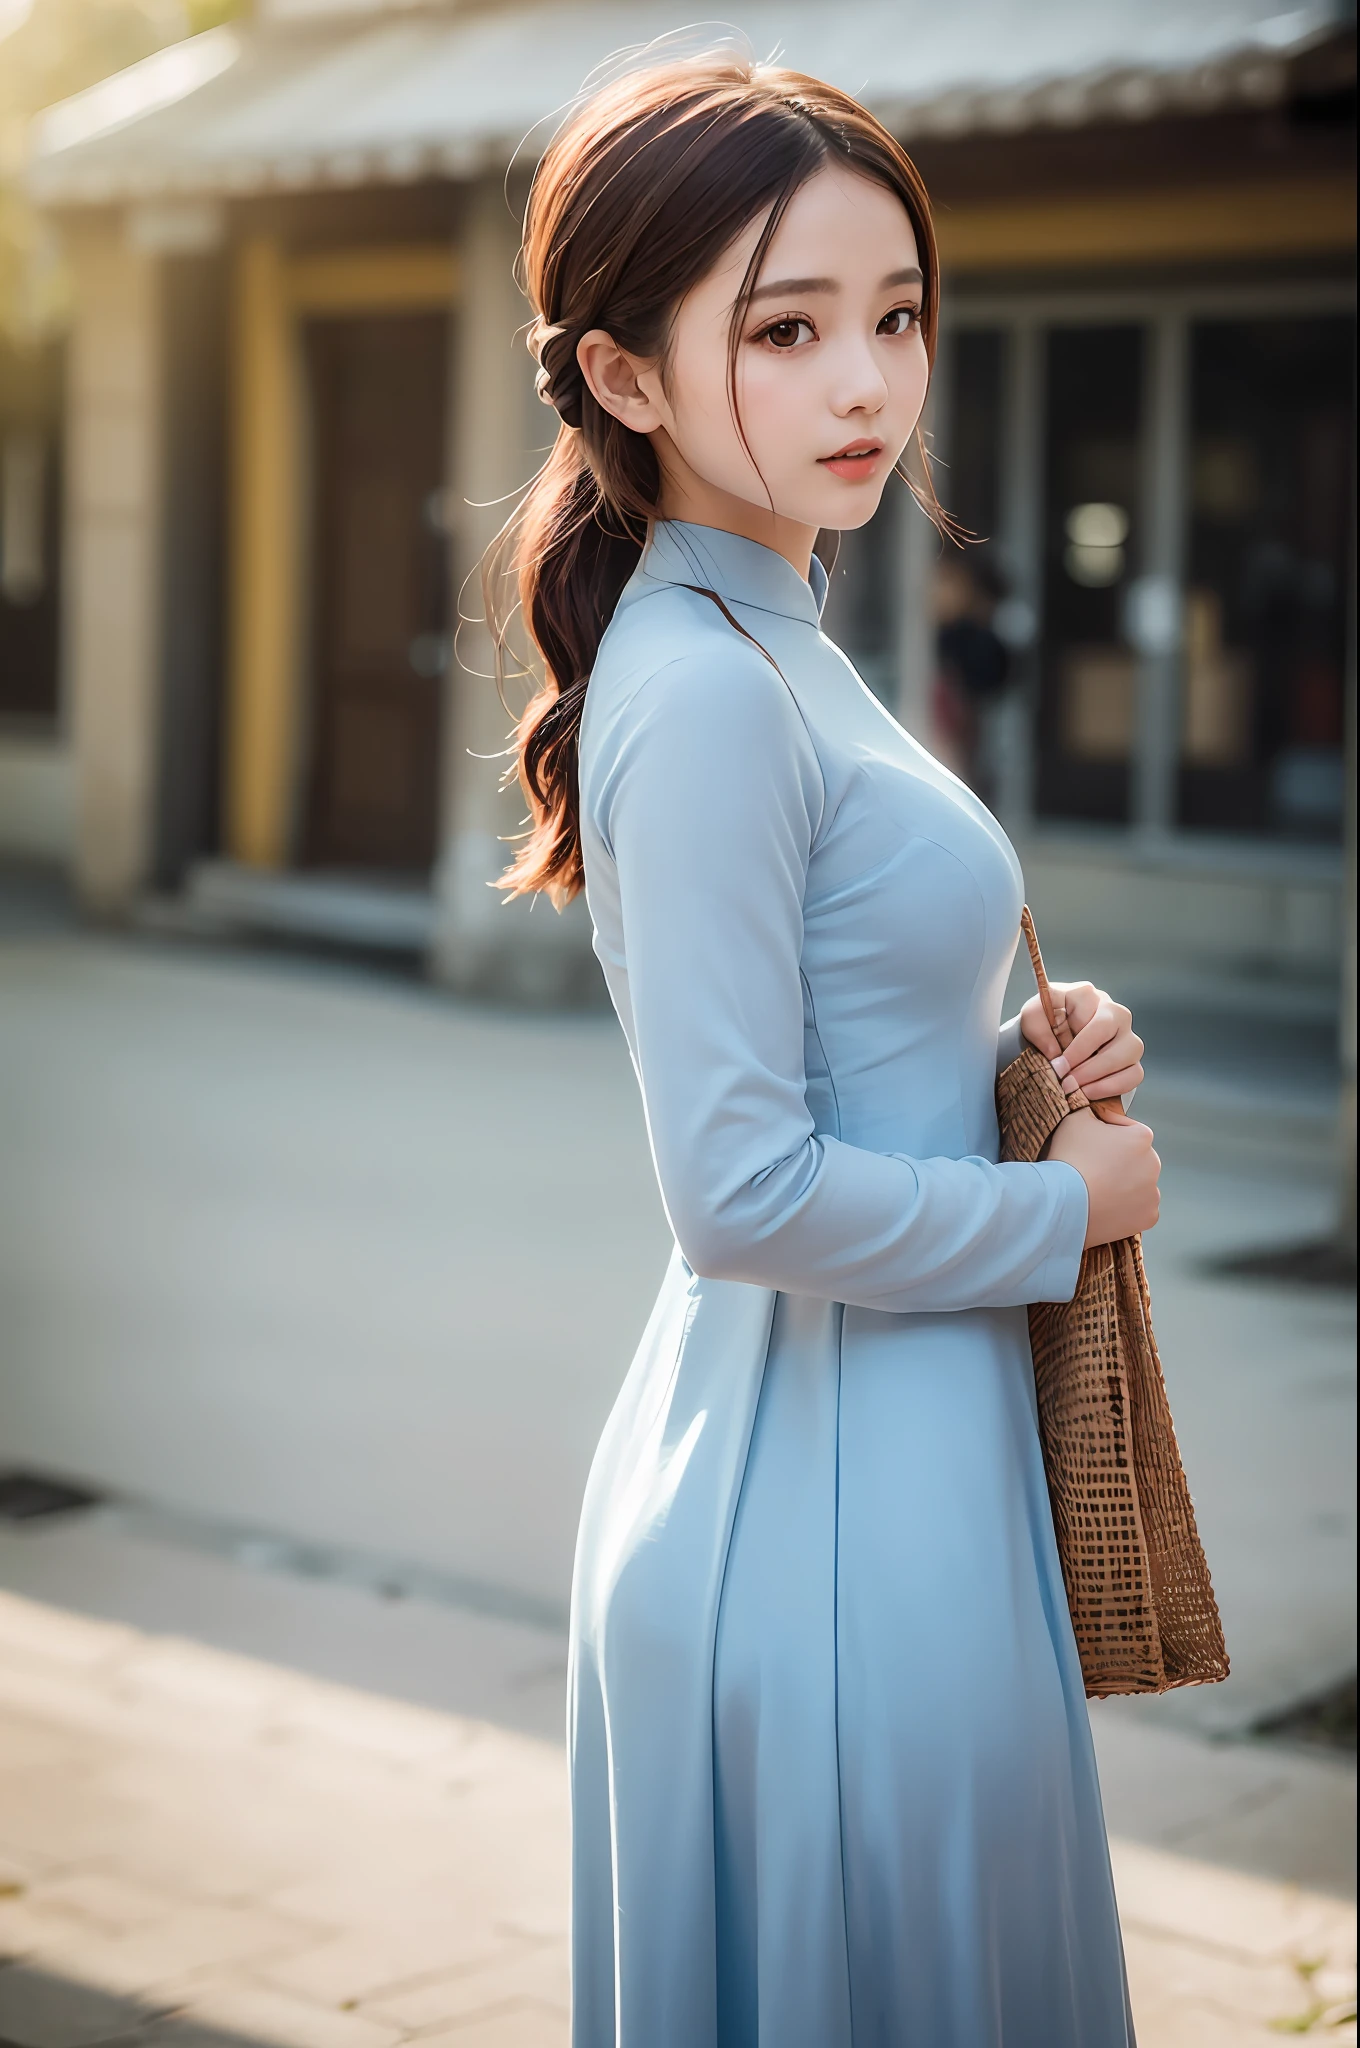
{"type": "Point", "coordinates": [39, 2009]}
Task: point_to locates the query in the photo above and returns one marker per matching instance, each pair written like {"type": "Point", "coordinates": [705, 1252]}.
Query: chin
{"type": "Point", "coordinates": [845, 510]}
{"type": "Point", "coordinates": [857, 514]}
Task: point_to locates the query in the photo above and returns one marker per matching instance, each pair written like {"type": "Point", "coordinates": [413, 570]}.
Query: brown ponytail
{"type": "Point", "coordinates": [631, 207]}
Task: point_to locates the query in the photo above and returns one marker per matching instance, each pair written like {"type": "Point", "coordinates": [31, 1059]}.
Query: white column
{"type": "Point", "coordinates": [481, 941]}
{"type": "Point", "coordinates": [112, 555]}
{"type": "Point", "coordinates": [1346, 1204]}
{"type": "Point", "coordinates": [1022, 543]}
{"type": "Point", "coordinates": [1154, 623]}
{"type": "Point", "coordinates": [918, 550]}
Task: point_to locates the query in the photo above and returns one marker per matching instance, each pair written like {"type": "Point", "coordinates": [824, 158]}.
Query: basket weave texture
{"type": "Point", "coordinates": [1138, 1585]}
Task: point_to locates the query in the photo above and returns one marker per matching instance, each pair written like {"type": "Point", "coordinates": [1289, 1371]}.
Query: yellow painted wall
{"type": "Point", "coordinates": [1216, 223]}
{"type": "Point", "coordinates": [265, 559]}
{"type": "Point", "coordinates": [400, 280]}
{"type": "Point", "coordinates": [271, 293]}
{"type": "Point", "coordinates": [114, 507]}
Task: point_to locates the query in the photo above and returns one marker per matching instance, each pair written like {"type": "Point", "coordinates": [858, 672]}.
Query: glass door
{"type": "Point", "coordinates": [1267, 557]}
{"type": "Point", "coordinates": [1088, 671]}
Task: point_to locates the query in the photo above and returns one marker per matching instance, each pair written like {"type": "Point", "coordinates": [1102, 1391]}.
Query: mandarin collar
{"type": "Point", "coordinates": [740, 571]}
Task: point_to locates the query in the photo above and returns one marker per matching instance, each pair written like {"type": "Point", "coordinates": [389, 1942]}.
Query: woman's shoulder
{"type": "Point", "coordinates": [677, 687]}
{"type": "Point", "coordinates": [668, 623]}
{"type": "Point", "coordinates": [673, 658]}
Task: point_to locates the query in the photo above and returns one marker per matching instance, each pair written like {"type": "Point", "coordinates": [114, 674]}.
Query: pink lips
{"type": "Point", "coordinates": [855, 460]}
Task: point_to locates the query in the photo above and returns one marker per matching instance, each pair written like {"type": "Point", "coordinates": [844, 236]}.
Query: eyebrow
{"type": "Point", "coordinates": [786, 286]}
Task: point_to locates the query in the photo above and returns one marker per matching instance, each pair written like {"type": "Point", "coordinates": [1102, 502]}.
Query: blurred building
{"type": "Point", "coordinates": [295, 402]}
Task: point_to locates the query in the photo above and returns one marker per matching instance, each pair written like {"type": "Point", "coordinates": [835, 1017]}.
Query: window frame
{"type": "Point", "coordinates": [1166, 313]}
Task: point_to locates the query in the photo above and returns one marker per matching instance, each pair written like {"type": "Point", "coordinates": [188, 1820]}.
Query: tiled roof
{"type": "Point", "coordinates": [313, 96]}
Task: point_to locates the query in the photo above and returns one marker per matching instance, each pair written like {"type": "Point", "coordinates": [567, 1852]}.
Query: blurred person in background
{"type": "Point", "coordinates": [972, 661]}
{"type": "Point", "coordinates": [832, 1774]}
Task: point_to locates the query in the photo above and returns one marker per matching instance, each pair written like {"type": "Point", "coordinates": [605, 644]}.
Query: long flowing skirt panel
{"type": "Point", "coordinates": [832, 1775]}
{"type": "Point", "coordinates": [910, 1845]}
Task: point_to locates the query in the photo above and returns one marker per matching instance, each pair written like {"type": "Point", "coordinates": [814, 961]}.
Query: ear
{"type": "Point", "coordinates": [622, 384]}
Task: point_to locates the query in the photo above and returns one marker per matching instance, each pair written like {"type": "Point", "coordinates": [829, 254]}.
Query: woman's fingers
{"type": "Point", "coordinates": [1110, 1022]}
{"type": "Point", "coordinates": [1122, 1082]}
{"type": "Point", "coordinates": [1117, 1161]}
{"type": "Point", "coordinates": [1116, 1055]}
{"type": "Point", "coordinates": [1105, 1056]}
{"type": "Point", "coordinates": [1034, 1029]}
{"type": "Point", "coordinates": [1081, 1000]}
{"type": "Point", "coordinates": [1077, 1001]}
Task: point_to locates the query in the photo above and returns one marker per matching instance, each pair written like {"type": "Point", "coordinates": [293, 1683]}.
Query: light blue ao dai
{"type": "Point", "coordinates": [832, 1775]}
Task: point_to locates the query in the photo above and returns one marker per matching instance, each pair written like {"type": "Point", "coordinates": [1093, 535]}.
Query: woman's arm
{"type": "Point", "coordinates": [710, 807]}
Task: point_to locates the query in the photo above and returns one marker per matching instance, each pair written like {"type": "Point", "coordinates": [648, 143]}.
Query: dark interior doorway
{"type": "Point", "coordinates": [380, 620]}
{"type": "Point", "coordinates": [30, 535]}
{"type": "Point", "coordinates": [1088, 667]}
{"type": "Point", "coordinates": [195, 315]}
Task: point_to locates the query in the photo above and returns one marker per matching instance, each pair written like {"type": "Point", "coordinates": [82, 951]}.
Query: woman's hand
{"type": "Point", "coordinates": [1119, 1167]}
{"type": "Point", "coordinates": [1105, 1057]}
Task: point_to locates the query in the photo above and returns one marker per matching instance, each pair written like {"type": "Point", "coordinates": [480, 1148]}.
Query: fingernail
{"type": "Point", "coordinates": [1069, 1086]}
{"type": "Point", "coordinates": [1060, 1065]}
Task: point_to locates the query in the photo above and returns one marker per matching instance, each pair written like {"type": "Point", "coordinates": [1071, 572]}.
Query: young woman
{"type": "Point", "coordinates": [832, 1775]}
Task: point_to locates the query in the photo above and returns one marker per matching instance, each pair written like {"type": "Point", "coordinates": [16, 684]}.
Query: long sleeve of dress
{"type": "Point", "coordinates": [710, 807]}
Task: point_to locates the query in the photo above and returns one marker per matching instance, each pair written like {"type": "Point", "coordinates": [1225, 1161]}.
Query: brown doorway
{"type": "Point", "coordinates": [380, 618]}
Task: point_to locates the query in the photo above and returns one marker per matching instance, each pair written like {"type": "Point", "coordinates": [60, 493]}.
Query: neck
{"type": "Point", "coordinates": [686, 495]}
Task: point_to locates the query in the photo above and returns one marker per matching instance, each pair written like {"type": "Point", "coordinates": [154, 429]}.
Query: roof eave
{"type": "Point", "coordinates": [98, 173]}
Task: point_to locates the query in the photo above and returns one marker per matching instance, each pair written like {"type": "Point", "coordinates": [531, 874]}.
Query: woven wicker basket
{"type": "Point", "coordinates": [1143, 1607]}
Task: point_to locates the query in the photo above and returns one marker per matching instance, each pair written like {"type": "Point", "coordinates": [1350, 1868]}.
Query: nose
{"type": "Point", "coordinates": [859, 384]}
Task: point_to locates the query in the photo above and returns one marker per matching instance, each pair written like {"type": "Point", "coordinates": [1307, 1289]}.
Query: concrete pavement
{"type": "Point", "coordinates": [198, 1849]}
{"type": "Point", "coordinates": [329, 1284]}
{"type": "Point", "coordinates": [311, 1257]}
{"type": "Point", "coordinates": [315, 1252]}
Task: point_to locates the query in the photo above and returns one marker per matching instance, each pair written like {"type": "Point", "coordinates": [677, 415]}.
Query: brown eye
{"type": "Point", "coordinates": [901, 320]}
{"type": "Point", "coordinates": [785, 334]}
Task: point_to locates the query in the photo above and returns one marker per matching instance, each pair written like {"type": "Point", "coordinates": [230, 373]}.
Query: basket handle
{"type": "Point", "coordinates": [1056, 1012]}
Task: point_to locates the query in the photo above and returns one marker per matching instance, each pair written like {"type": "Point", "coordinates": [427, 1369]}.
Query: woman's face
{"type": "Point", "coordinates": [831, 372]}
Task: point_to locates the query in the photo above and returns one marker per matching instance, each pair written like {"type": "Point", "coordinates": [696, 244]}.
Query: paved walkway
{"type": "Point", "coordinates": [198, 1849]}
{"type": "Point", "coordinates": [273, 1279]}
{"type": "Point", "coordinates": [281, 1250]}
